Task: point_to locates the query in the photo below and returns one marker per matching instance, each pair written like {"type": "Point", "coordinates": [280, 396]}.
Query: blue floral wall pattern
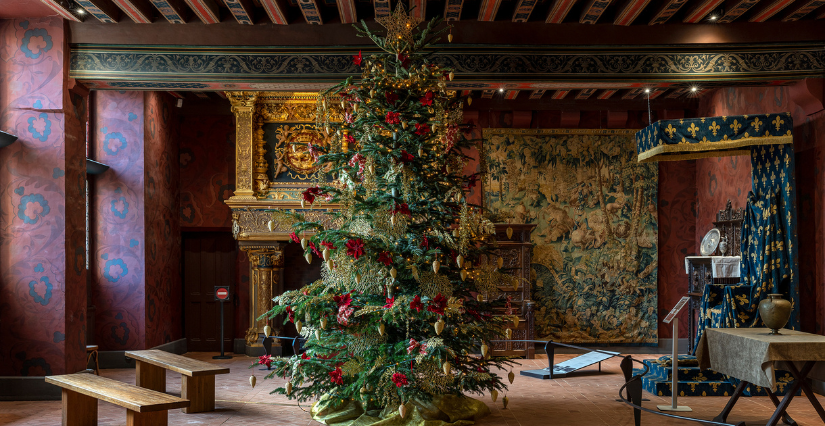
{"type": "Point", "coordinates": [35, 292]}
{"type": "Point", "coordinates": [32, 207]}
{"type": "Point", "coordinates": [115, 269]}
{"type": "Point", "coordinates": [36, 42]}
{"type": "Point", "coordinates": [40, 127]}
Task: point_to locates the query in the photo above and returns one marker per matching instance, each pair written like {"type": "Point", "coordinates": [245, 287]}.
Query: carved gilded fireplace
{"type": "Point", "coordinates": [273, 167]}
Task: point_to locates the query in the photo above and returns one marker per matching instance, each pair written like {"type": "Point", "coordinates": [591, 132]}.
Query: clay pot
{"type": "Point", "coordinates": [775, 312]}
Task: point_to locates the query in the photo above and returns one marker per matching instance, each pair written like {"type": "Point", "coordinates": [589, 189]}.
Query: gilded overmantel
{"type": "Point", "coordinates": [290, 161]}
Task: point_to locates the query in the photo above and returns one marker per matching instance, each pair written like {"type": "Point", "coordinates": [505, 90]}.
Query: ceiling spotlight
{"type": "Point", "coordinates": [81, 11]}
{"type": "Point", "coordinates": [647, 90]}
{"type": "Point", "coordinates": [713, 17]}
{"type": "Point", "coordinates": [694, 88]}
{"type": "Point", "coordinates": [501, 90]}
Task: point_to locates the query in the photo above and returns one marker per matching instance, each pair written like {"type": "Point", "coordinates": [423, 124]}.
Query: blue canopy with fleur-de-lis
{"type": "Point", "coordinates": [690, 138]}
{"type": "Point", "coordinates": [769, 240]}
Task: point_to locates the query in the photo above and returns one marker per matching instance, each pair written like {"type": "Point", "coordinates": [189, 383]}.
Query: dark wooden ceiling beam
{"type": "Point", "coordinates": [418, 9]}
{"type": "Point", "coordinates": [511, 94]}
{"type": "Point", "coordinates": [452, 10]}
{"type": "Point", "coordinates": [206, 10]}
{"type": "Point", "coordinates": [666, 11]}
{"type": "Point", "coordinates": [593, 11]}
{"type": "Point", "coordinates": [104, 10]}
{"type": "Point", "coordinates": [537, 94]}
{"type": "Point", "coordinates": [736, 10]}
{"type": "Point", "coordinates": [559, 94]}
{"type": "Point", "coordinates": [630, 11]}
{"type": "Point", "coordinates": [174, 11]}
{"type": "Point", "coordinates": [606, 94]}
{"type": "Point", "coordinates": [346, 10]}
{"type": "Point", "coordinates": [63, 8]}
{"type": "Point", "coordinates": [241, 10]}
{"type": "Point", "coordinates": [276, 10]}
{"type": "Point", "coordinates": [701, 10]}
{"type": "Point", "coordinates": [140, 11]}
{"type": "Point", "coordinates": [523, 10]}
{"type": "Point", "coordinates": [488, 10]}
{"type": "Point", "coordinates": [769, 9]}
{"type": "Point", "coordinates": [311, 11]}
{"type": "Point", "coordinates": [559, 11]}
{"type": "Point", "coordinates": [804, 10]}
{"type": "Point", "coordinates": [585, 93]}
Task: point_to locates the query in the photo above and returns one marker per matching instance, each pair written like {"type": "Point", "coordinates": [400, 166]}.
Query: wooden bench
{"type": "Point", "coordinates": [198, 377]}
{"type": "Point", "coordinates": [81, 391]}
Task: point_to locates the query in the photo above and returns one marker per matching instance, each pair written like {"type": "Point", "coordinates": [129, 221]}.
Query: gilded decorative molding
{"type": "Point", "coordinates": [243, 106]}
{"type": "Point", "coordinates": [260, 164]}
{"type": "Point", "coordinates": [267, 263]}
{"type": "Point", "coordinates": [254, 224]}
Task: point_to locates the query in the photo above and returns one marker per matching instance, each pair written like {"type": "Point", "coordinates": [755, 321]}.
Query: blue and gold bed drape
{"type": "Point", "coordinates": [769, 241]}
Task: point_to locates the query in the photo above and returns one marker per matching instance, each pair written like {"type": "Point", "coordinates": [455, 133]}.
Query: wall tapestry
{"type": "Point", "coordinates": [596, 241]}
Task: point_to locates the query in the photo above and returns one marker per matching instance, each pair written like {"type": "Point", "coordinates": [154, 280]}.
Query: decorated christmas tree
{"type": "Point", "coordinates": [401, 319]}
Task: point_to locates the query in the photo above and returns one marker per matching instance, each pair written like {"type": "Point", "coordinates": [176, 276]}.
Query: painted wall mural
{"type": "Point", "coordinates": [43, 279]}
{"type": "Point", "coordinates": [118, 268]}
{"type": "Point", "coordinates": [207, 170]}
{"type": "Point", "coordinates": [595, 254]}
{"type": "Point", "coordinates": [163, 239]}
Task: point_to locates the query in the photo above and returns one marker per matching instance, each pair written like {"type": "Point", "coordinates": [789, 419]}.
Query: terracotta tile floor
{"type": "Point", "coordinates": [585, 399]}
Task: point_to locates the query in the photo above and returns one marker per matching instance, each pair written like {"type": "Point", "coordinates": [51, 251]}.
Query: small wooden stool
{"type": "Point", "coordinates": [91, 351]}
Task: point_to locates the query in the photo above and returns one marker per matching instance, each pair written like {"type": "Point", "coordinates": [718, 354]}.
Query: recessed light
{"type": "Point", "coordinates": [713, 17]}
{"type": "Point", "coordinates": [647, 90]}
{"type": "Point", "coordinates": [693, 89]}
{"type": "Point", "coordinates": [81, 11]}
{"type": "Point", "coordinates": [500, 90]}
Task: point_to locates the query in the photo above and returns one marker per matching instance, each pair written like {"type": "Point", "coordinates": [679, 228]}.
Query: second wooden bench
{"type": "Point", "coordinates": [198, 377]}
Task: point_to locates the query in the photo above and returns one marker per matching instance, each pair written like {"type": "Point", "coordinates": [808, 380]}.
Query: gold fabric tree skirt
{"type": "Point", "coordinates": [449, 410]}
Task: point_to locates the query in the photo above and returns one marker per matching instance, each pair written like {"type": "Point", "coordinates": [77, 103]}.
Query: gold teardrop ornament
{"type": "Point", "coordinates": [304, 243]}
{"type": "Point", "coordinates": [323, 323]}
{"type": "Point", "coordinates": [456, 233]}
{"type": "Point", "coordinates": [500, 262]}
{"type": "Point", "coordinates": [494, 395]}
{"type": "Point", "coordinates": [451, 75]}
{"type": "Point", "coordinates": [484, 349]}
{"type": "Point", "coordinates": [371, 168]}
{"type": "Point", "coordinates": [511, 376]}
{"type": "Point", "coordinates": [392, 220]}
{"type": "Point", "coordinates": [357, 278]}
{"type": "Point", "coordinates": [404, 125]}
{"type": "Point", "coordinates": [420, 152]}
{"type": "Point", "coordinates": [516, 321]}
{"type": "Point", "coordinates": [469, 101]}
{"type": "Point", "coordinates": [267, 330]}
{"type": "Point", "coordinates": [270, 225]}
{"type": "Point", "coordinates": [299, 326]}
{"type": "Point", "coordinates": [460, 261]}
{"type": "Point", "coordinates": [463, 275]}
{"type": "Point", "coordinates": [364, 390]}
{"type": "Point", "coordinates": [505, 401]}
{"type": "Point", "coordinates": [253, 381]}
{"type": "Point", "coordinates": [325, 253]}
{"type": "Point", "coordinates": [381, 328]}
{"type": "Point", "coordinates": [308, 257]}
{"type": "Point", "coordinates": [318, 334]}
{"type": "Point", "coordinates": [393, 273]}
{"type": "Point", "coordinates": [288, 388]}
{"type": "Point", "coordinates": [479, 297]}
{"type": "Point", "coordinates": [446, 368]}
{"type": "Point", "coordinates": [508, 333]}
{"type": "Point", "coordinates": [402, 411]}
{"type": "Point", "coordinates": [303, 204]}
{"type": "Point", "coordinates": [450, 37]}
{"type": "Point", "coordinates": [436, 266]}
{"type": "Point", "coordinates": [330, 265]}
{"type": "Point", "coordinates": [414, 272]}
{"type": "Point", "coordinates": [509, 232]}
{"type": "Point", "coordinates": [439, 326]}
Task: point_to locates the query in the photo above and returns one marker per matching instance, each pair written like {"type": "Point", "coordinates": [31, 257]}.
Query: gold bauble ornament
{"type": "Point", "coordinates": [252, 381]}
{"type": "Point", "coordinates": [505, 401]}
{"type": "Point", "coordinates": [323, 323]}
{"type": "Point", "coordinates": [446, 368]}
{"type": "Point", "coordinates": [436, 266]}
{"type": "Point", "coordinates": [511, 376]}
{"type": "Point", "coordinates": [509, 232]}
{"type": "Point", "coordinates": [304, 243]}
{"type": "Point", "coordinates": [364, 389]}
{"type": "Point", "coordinates": [463, 275]}
{"type": "Point", "coordinates": [494, 395]}
{"type": "Point", "coordinates": [479, 297]}
{"type": "Point", "coordinates": [288, 388]}
{"type": "Point", "coordinates": [325, 253]}
{"type": "Point", "coordinates": [439, 326]}
{"type": "Point", "coordinates": [299, 326]}
{"type": "Point", "coordinates": [381, 328]}
{"type": "Point", "coordinates": [508, 333]}
{"type": "Point", "coordinates": [267, 330]}
{"type": "Point", "coordinates": [402, 411]}
{"type": "Point", "coordinates": [270, 225]}
{"type": "Point", "coordinates": [404, 125]}
{"type": "Point", "coordinates": [460, 261]}
{"type": "Point", "coordinates": [317, 334]}
{"type": "Point", "coordinates": [450, 37]}
{"type": "Point", "coordinates": [484, 349]}
{"type": "Point", "coordinates": [393, 273]}
{"type": "Point", "coordinates": [456, 233]}
{"type": "Point", "coordinates": [308, 257]}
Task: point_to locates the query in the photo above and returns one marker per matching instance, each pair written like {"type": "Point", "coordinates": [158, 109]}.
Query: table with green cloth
{"type": "Point", "coordinates": [752, 355]}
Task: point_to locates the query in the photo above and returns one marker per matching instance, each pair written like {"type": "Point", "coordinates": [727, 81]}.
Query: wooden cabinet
{"type": "Point", "coordinates": [517, 253]}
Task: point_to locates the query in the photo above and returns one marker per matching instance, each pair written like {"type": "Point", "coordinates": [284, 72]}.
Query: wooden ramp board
{"type": "Point", "coordinates": [564, 368]}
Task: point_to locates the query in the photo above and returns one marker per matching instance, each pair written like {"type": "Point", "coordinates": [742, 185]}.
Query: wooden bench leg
{"type": "Point", "coordinates": [79, 409]}
{"type": "Point", "coordinates": [150, 377]}
{"type": "Point", "coordinates": [153, 418]}
{"type": "Point", "coordinates": [200, 391]}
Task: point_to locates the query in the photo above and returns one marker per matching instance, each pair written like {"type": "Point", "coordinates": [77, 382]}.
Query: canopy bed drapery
{"type": "Point", "coordinates": [769, 239]}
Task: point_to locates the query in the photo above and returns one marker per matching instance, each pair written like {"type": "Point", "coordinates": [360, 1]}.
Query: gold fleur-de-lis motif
{"type": "Point", "coordinates": [756, 124]}
{"type": "Point", "coordinates": [713, 127]}
{"type": "Point", "coordinates": [693, 129]}
{"type": "Point", "coordinates": [778, 122]}
{"type": "Point", "coordinates": [735, 126]}
{"type": "Point", "coordinates": [670, 130]}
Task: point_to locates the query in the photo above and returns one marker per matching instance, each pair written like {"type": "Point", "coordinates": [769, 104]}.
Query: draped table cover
{"type": "Point", "coordinates": [754, 355]}
{"type": "Point", "coordinates": [720, 266]}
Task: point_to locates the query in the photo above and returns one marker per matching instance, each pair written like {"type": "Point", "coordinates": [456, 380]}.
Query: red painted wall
{"type": "Point", "coordinates": [162, 201]}
{"type": "Point", "coordinates": [42, 265]}
{"type": "Point", "coordinates": [730, 177]}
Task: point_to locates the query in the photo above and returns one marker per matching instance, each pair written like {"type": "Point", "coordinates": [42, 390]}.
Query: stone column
{"type": "Point", "coordinates": [243, 106]}
{"type": "Point", "coordinates": [266, 261]}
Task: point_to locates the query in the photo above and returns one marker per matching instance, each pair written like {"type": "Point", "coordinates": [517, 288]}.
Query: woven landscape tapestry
{"type": "Point", "coordinates": [595, 244]}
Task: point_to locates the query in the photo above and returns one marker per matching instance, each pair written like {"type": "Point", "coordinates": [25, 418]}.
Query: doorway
{"type": "Point", "coordinates": [208, 261]}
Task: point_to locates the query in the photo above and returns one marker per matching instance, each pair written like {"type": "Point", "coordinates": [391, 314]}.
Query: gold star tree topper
{"type": "Point", "coordinates": [399, 24]}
